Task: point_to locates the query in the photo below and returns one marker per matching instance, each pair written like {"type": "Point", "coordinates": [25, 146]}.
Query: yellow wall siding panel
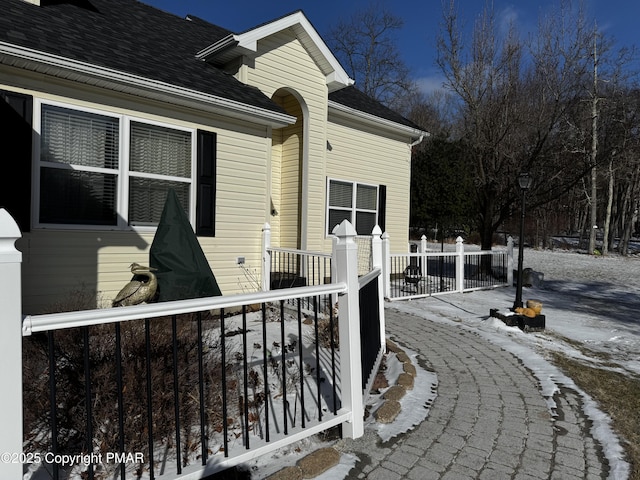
{"type": "Point", "coordinates": [239, 179]}
{"type": "Point", "coordinates": [257, 169]}
{"type": "Point", "coordinates": [291, 177]}
{"type": "Point", "coordinates": [282, 61]}
{"type": "Point", "coordinates": [284, 66]}
{"type": "Point", "coordinates": [361, 156]}
{"type": "Point", "coordinates": [59, 263]}
{"type": "Point", "coordinates": [276, 184]}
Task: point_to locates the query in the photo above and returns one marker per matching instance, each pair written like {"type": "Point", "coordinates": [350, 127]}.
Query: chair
{"type": "Point", "coordinates": [412, 278]}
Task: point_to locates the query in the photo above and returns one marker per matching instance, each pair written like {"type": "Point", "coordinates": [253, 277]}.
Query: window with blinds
{"type": "Point", "coordinates": [79, 164]}
{"type": "Point", "coordinates": [83, 175]}
{"type": "Point", "coordinates": [352, 201]}
{"type": "Point", "coordinates": [163, 155]}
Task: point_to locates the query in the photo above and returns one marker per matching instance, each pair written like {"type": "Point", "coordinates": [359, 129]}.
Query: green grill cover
{"type": "Point", "coordinates": [182, 269]}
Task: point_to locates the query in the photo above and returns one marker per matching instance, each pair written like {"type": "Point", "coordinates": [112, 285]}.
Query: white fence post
{"type": "Point", "coordinates": [346, 266]}
{"type": "Point", "coordinates": [377, 260]}
{"type": "Point", "coordinates": [334, 275]}
{"type": "Point", "coordinates": [10, 347]}
{"type": "Point", "coordinates": [510, 261]}
{"type": "Point", "coordinates": [423, 244]}
{"type": "Point", "coordinates": [266, 258]}
{"type": "Point", "coordinates": [460, 265]}
{"type": "Point", "coordinates": [386, 264]}
{"type": "Point", "coordinates": [423, 258]}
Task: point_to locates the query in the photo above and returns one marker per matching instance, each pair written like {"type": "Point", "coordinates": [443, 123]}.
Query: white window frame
{"type": "Point", "coordinates": [123, 174]}
{"type": "Point", "coordinates": [353, 208]}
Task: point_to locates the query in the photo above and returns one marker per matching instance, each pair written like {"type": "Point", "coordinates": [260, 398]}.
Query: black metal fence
{"type": "Point", "coordinates": [294, 268]}
{"type": "Point", "coordinates": [160, 396]}
{"type": "Point", "coordinates": [371, 341]}
{"type": "Point", "coordinates": [485, 270]}
{"type": "Point", "coordinates": [434, 273]}
{"type": "Point", "coordinates": [414, 274]}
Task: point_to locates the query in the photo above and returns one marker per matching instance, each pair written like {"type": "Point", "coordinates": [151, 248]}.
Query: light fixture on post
{"type": "Point", "coordinates": [525, 181]}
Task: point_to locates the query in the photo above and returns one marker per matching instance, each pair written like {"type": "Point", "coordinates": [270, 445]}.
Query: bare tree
{"type": "Point", "coordinates": [604, 129]}
{"type": "Point", "coordinates": [434, 112]}
{"type": "Point", "coordinates": [366, 47]}
{"type": "Point", "coordinates": [515, 103]}
{"type": "Point", "coordinates": [618, 131]}
{"type": "Point", "coordinates": [619, 153]}
{"type": "Point", "coordinates": [593, 212]}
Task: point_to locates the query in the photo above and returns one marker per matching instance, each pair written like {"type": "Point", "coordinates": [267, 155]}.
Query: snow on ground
{"type": "Point", "coordinates": [588, 301]}
{"type": "Point", "coordinates": [592, 302]}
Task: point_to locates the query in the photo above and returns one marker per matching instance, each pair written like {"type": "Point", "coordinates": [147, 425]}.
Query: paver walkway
{"type": "Point", "coordinates": [489, 420]}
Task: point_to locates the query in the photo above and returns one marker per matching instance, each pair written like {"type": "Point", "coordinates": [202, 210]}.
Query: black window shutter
{"type": "Point", "coordinates": [16, 114]}
{"type": "Point", "coordinates": [206, 185]}
{"type": "Point", "coordinates": [382, 207]}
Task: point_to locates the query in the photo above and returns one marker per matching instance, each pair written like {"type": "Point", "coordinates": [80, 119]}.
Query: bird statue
{"type": "Point", "coordinates": [141, 288]}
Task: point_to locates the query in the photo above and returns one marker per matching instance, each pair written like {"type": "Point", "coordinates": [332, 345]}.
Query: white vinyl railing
{"type": "Point", "coordinates": [425, 273]}
{"type": "Point", "coordinates": [344, 286]}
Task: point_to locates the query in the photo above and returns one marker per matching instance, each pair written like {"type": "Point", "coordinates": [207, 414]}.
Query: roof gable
{"type": "Point", "coordinates": [234, 45]}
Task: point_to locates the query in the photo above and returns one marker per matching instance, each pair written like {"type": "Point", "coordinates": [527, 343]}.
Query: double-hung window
{"type": "Point", "coordinates": [160, 158]}
{"type": "Point", "coordinates": [114, 171]}
{"type": "Point", "coordinates": [80, 167]}
{"type": "Point", "coordinates": [359, 203]}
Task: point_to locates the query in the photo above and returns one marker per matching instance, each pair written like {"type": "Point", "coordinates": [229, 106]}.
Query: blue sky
{"type": "Point", "coordinates": [416, 40]}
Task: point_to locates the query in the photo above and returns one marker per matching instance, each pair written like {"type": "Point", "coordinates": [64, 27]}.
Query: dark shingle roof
{"type": "Point", "coordinates": [132, 37]}
{"type": "Point", "coordinates": [353, 98]}
{"type": "Point", "coordinates": [127, 36]}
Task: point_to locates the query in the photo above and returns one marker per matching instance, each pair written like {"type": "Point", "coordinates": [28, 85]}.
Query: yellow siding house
{"type": "Point", "coordinates": [108, 104]}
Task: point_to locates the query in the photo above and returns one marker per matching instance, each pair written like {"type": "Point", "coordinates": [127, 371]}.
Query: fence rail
{"type": "Point", "coordinates": [372, 339]}
{"type": "Point", "coordinates": [415, 275]}
{"type": "Point", "coordinates": [426, 273]}
{"type": "Point", "coordinates": [178, 389]}
{"type": "Point", "coordinates": [486, 269]}
{"type": "Point", "coordinates": [404, 275]}
{"type": "Point", "coordinates": [185, 391]}
{"type": "Point", "coordinates": [296, 268]}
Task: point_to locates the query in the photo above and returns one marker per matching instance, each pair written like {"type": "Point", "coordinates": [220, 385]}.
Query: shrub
{"type": "Point", "coordinates": [98, 345]}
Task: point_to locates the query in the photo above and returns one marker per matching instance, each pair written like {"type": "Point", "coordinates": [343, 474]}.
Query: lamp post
{"type": "Point", "coordinates": [525, 181]}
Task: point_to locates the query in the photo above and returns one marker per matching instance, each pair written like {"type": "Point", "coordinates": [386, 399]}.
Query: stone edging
{"type": "Point", "coordinates": [310, 466]}
{"type": "Point", "coordinates": [323, 459]}
{"type": "Point", "coordinates": [390, 408]}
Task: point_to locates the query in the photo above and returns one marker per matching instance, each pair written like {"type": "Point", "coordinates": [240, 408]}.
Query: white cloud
{"type": "Point", "coordinates": [506, 17]}
{"type": "Point", "coordinates": [429, 84]}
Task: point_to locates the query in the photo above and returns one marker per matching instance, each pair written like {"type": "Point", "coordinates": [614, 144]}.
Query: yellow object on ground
{"type": "Point", "coordinates": [536, 305]}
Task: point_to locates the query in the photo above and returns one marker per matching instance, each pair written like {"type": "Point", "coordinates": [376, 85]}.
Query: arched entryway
{"type": "Point", "coordinates": [288, 175]}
